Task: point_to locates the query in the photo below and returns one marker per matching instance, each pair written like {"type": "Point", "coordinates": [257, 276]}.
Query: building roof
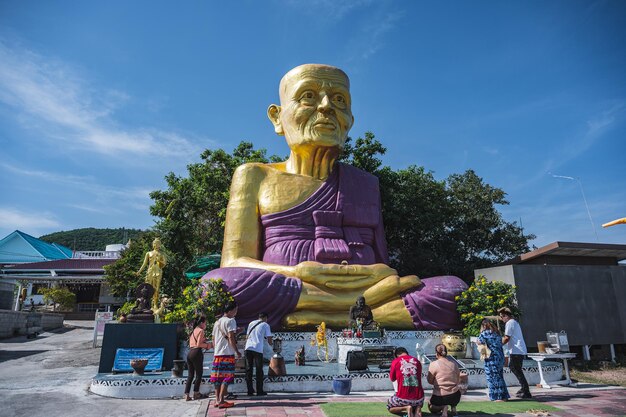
{"type": "Point", "coordinates": [572, 250]}
{"type": "Point", "coordinates": [75, 264]}
{"type": "Point", "coordinates": [20, 247]}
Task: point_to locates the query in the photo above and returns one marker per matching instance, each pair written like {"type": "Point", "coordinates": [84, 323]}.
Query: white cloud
{"type": "Point", "coordinates": [374, 33]}
{"type": "Point", "coordinates": [12, 218]}
{"type": "Point", "coordinates": [133, 197]}
{"type": "Point", "coordinates": [332, 10]}
{"type": "Point", "coordinates": [50, 96]}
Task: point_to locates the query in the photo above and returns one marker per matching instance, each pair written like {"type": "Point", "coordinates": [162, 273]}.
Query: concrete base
{"type": "Point", "coordinates": [314, 377]}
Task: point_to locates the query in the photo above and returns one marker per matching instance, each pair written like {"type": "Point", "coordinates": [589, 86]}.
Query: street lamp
{"type": "Point", "coordinates": [584, 199]}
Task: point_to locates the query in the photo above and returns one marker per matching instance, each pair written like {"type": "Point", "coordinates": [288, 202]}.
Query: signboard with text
{"type": "Point", "coordinates": [123, 356]}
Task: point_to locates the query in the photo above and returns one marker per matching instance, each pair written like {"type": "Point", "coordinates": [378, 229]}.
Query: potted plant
{"type": "Point", "coordinates": [482, 299]}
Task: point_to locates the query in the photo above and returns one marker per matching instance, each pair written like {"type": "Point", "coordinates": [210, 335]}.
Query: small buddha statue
{"type": "Point", "coordinates": [142, 312]}
{"type": "Point", "coordinates": [361, 315]}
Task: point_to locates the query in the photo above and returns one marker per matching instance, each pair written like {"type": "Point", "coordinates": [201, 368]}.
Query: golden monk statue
{"type": "Point", "coordinates": [304, 237]}
{"type": "Point", "coordinates": [155, 260]}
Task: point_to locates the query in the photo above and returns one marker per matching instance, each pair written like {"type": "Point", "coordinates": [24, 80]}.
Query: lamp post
{"type": "Point", "coordinates": [584, 199]}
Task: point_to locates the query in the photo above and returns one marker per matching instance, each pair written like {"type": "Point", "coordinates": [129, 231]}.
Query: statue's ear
{"type": "Point", "coordinates": [273, 112]}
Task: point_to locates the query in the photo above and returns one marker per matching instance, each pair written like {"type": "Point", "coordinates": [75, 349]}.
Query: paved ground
{"type": "Point", "coordinates": [50, 375]}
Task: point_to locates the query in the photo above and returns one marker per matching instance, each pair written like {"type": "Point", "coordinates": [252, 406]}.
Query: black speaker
{"type": "Point", "coordinates": [356, 360]}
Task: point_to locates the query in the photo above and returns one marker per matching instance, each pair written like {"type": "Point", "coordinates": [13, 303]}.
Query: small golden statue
{"type": "Point", "coordinates": [155, 260]}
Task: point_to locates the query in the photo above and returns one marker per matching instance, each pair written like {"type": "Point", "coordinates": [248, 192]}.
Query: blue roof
{"type": "Point", "coordinates": [46, 250]}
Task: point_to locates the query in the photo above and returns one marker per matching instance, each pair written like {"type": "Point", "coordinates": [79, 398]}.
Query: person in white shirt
{"type": "Point", "coordinates": [225, 349]}
{"type": "Point", "coordinates": [258, 332]}
{"type": "Point", "coordinates": [513, 340]}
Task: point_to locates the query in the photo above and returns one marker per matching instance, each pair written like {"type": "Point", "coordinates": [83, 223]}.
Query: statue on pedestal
{"type": "Point", "coordinates": [155, 260]}
{"type": "Point", "coordinates": [305, 237]}
{"type": "Point", "coordinates": [141, 312]}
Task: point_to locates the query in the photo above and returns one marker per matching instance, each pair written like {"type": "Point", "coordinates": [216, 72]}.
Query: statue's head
{"type": "Point", "coordinates": [360, 301]}
{"type": "Point", "coordinates": [156, 243]}
{"type": "Point", "coordinates": [315, 107]}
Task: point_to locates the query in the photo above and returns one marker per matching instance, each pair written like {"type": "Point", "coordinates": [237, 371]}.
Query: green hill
{"type": "Point", "coordinates": [91, 238]}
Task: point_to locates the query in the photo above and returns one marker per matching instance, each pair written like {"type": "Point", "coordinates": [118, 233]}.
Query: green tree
{"type": "Point", "coordinates": [60, 296]}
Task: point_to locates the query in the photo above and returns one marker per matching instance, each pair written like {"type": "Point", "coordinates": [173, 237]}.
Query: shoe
{"type": "Point", "coordinates": [524, 395]}
{"type": "Point", "coordinates": [226, 404]}
{"type": "Point", "coordinates": [261, 394]}
{"type": "Point", "coordinates": [186, 397]}
{"type": "Point", "coordinates": [520, 391]}
{"type": "Point", "coordinates": [250, 393]}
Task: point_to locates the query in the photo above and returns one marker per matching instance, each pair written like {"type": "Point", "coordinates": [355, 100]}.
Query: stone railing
{"type": "Point", "coordinates": [96, 254]}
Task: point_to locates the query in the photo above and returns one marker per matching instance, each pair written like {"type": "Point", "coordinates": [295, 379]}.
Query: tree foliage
{"type": "Point", "coordinates": [60, 296]}
{"type": "Point", "coordinates": [91, 238]}
{"type": "Point", "coordinates": [206, 298]}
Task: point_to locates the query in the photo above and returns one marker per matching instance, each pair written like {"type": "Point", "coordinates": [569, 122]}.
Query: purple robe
{"type": "Point", "coordinates": [340, 221]}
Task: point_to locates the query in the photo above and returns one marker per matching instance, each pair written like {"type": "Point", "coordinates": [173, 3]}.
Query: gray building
{"type": "Point", "coordinates": [579, 288]}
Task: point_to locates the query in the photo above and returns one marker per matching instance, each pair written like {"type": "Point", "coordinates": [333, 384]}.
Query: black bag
{"type": "Point", "coordinates": [356, 360]}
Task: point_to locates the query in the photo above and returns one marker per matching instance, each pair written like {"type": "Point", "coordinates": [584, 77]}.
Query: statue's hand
{"type": "Point", "coordinates": [343, 277]}
{"type": "Point", "coordinates": [389, 288]}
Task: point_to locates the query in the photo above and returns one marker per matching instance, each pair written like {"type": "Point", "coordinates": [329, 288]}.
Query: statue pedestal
{"type": "Point", "coordinates": [140, 318]}
{"type": "Point", "coordinates": [346, 344]}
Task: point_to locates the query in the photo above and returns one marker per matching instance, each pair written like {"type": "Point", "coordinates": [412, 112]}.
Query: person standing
{"type": "Point", "coordinates": [494, 363]}
{"type": "Point", "coordinates": [406, 371]}
{"type": "Point", "coordinates": [258, 332]}
{"type": "Point", "coordinates": [514, 341]}
{"type": "Point", "coordinates": [225, 349]}
{"type": "Point", "coordinates": [195, 357]}
{"type": "Point", "coordinates": [444, 375]}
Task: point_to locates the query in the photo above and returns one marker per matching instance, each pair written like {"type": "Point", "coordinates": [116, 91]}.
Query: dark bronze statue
{"type": "Point", "coordinates": [361, 314]}
{"type": "Point", "coordinates": [141, 312]}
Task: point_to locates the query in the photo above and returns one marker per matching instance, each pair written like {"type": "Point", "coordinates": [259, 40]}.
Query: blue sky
{"type": "Point", "coordinates": [100, 100]}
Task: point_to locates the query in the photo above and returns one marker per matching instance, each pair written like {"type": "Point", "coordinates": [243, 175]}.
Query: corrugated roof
{"type": "Point", "coordinates": [580, 249]}
{"type": "Point", "coordinates": [47, 250]}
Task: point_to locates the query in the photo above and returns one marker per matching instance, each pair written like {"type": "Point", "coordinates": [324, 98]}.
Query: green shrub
{"type": "Point", "coordinates": [125, 309]}
{"type": "Point", "coordinates": [207, 297]}
{"type": "Point", "coordinates": [482, 299]}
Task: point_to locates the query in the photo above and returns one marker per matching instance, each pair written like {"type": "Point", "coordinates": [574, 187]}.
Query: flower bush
{"type": "Point", "coordinates": [482, 299]}
{"type": "Point", "coordinates": [207, 297]}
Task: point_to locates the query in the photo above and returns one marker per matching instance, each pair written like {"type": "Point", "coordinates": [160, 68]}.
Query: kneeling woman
{"type": "Point", "coordinates": [444, 375]}
{"type": "Point", "coordinates": [195, 357]}
{"type": "Point", "coordinates": [406, 371]}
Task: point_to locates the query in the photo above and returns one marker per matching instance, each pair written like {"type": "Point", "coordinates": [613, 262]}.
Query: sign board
{"type": "Point", "coordinates": [379, 355]}
{"type": "Point", "coordinates": [123, 356]}
{"type": "Point", "coordinates": [102, 318]}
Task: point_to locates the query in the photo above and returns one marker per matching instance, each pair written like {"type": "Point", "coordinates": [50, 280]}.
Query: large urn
{"type": "Point", "coordinates": [456, 344]}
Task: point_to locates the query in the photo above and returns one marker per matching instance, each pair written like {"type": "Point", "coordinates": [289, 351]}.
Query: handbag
{"type": "Point", "coordinates": [463, 383]}
{"type": "Point", "coordinates": [484, 351]}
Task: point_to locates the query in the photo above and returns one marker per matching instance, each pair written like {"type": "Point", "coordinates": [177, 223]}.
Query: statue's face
{"type": "Point", "coordinates": [315, 106]}
{"type": "Point", "coordinates": [156, 244]}
{"type": "Point", "coordinates": [360, 301]}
